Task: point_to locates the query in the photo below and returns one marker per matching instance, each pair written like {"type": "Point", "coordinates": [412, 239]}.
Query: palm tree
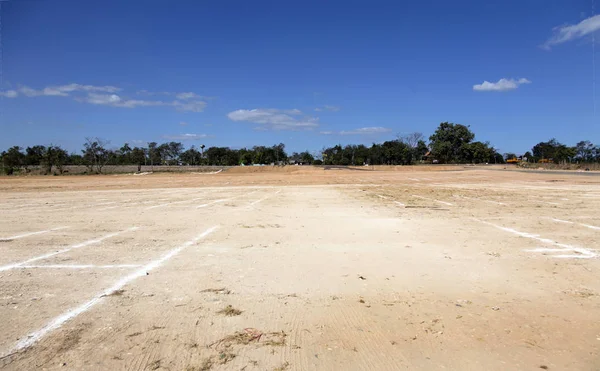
{"type": "Point", "coordinates": [202, 148]}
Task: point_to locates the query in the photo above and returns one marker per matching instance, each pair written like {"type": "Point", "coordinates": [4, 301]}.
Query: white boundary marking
{"type": "Point", "coordinates": [223, 200]}
{"type": "Point", "coordinates": [262, 199]}
{"type": "Point", "coordinates": [584, 253]}
{"type": "Point", "coordinates": [396, 202]}
{"type": "Point", "coordinates": [80, 266]}
{"type": "Point", "coordinates": [214, 202]}
{"type": "Point", "coordinates": [173, 203]}
{"type": "Point", "coordinates": [209, 173]}
{"type": "Point", "coordinates": [72, 247]}
{"type": "Point", "coordinates": [57, 322]}
{"type": "Point", "coordinates": [109, 208]}
{"type": "Point", "coordinates": [581, 224]}
{"type": "Point", "coordinates": [488, 201]}
{"type": "Point", "coordinates": [431, 199]}
{"type": "Point", "coordinates": [5, 239]}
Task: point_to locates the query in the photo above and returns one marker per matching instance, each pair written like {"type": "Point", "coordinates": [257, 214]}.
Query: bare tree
{"type": "Point", "coordinates": [412, 139]}
{"type": "Point", "coordinates": [95, 153]}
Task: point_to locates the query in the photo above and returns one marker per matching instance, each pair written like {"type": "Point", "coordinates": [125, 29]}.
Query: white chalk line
{"type": "Point", "coordinates": [174, 203]}
{"type": "Point", "coordinates": [208, 173]}
{"type": "Point", "coordinates": [488, 201]}
{"type": "Point", "coordinates": [223, 200]}
{"type": "Point", "coordinates": [581, 224]}
{"type": "Point", "coordinates": [584, 253]}
{"type": "Point", "coordinates": [57, 322]}
{"type": "Point", "coordinates": [109, 208]}
{"type": "Point", "coordinates": [431, 199]}
{"type": "Point", "coordinates": [4, 239]}
{"type": "Point", "coordinates": [213, 202]}
{"type": "Point", "coordinates": [396, 202]}
{"type": "Point", "coordinates": [72, 247]}
{"type": "Point", "coordinates": [80, 266]}
{"type": "Point", "coordinates": [262, 199]}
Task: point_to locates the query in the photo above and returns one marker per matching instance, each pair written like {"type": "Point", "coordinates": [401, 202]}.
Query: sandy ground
{"type": "Point", "coordinates": [466, 269]}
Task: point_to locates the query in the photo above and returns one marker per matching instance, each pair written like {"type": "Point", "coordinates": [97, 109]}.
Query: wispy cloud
{"type": "Point", "coordinates": [9, 94]}
{"type": "Point", "coordinates": [327, 108]}
{"type": "Point", "coordinates": [116, 101]}
{"type": "Point", "coordinates": [275, 119]}
{"type": "Point", "coordinates": [184, 137]}
{"type": "Point", "coordinates": [366, 131]}
{"type": "Point", "coordinates": [106, 95]}
{"type": "Point", "coordinates": [501, 85]}
{"type": "Point", "coordinates": [370, 130]}
{"type": "Point", "coordinates": [192, 106]}
{"type": "Point", "coordinates": [183, 123]}
{"type": "Point", "coordinates": [563, 34]}
{"type": "Point", "coordinates": [64, 90]}
{"type": "Point", "coordinates": [180, 96]}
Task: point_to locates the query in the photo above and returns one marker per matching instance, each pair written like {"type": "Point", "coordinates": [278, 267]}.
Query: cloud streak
{"type": "Point", "coordinates": [185, 137]}
{"type": "Point", "coordinates": [370, 130]}
{"type": "Point", "coordinates": [563, 34]}
{"type": "Point", "coordinates": [275, 119]}
{"type": "Point", "coordinates": [64, 90]}
{"type": "Point", "coordinates": [106, 96]}
{"type": "Point", "coordinates": [9, 94]}
{"type": "Point", "coordinates": [501, 85]}
{"type": "Point", "coordinates": [327, 108]}
{"type": "Point", "coordinates": [116, 101]}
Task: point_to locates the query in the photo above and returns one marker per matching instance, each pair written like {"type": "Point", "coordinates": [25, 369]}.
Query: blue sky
{"type": "Point", "coordinates": [305, 73]}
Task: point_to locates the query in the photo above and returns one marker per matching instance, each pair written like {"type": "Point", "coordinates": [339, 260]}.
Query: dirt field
{"type": "Point", "coordinates": [301, 269]}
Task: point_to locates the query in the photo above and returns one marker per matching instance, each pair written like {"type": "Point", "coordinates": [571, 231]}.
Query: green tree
{"type": "Point", "coordinates": [306, 158]}
{"type": "Point", "coordinates": [138, 157]}
{"type": "Point", "coordinates": [448, 140]}
{"type": "Point", "coordinates": [12, 159]}
{"type": "Point", "coordinates": [95, 155]}
{"type": "Point", "coordinates": [585, 151]}
{"type": "Point", "coordinates": [554, 151]}
{"type": "Point", "coordinates": [34, 155]}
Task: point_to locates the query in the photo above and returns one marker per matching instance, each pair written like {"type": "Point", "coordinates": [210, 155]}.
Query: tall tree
{"type": "Point", "coordinates": [448, 140]}
{"type": "Point", "coordinates": [95, 154]}
{"type": "Point", "coordinates": [12, 159]}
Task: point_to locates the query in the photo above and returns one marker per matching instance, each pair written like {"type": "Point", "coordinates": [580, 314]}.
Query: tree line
{"type": "Point", "coordinates": [450, 143]}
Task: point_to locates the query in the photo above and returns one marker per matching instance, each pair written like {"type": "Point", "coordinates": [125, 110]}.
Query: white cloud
{"type": "Point", "coordinates": [185, 137]}
{"type": "Point", "coordinates": [105, 95]}
{"type": "Point", "coordinates": [110, 99]}
{"type": "Point", "coordinates": [371, 130]}
{"type": "Point", "coordinates": [501, 85]}
{"type": "Point", "coordinates": [327, 108]}
{"type": "Point", "coordinates": [180, 96]}
{"type": "Point", "coordinates": [64, 90]}
{"type": "Point", "coordinates": [275, 119]}
{"type": "Point", "coordinates": [189, 95]}
{"type": "Point", "coordinates": [193, 106]}
{"type": "Point", "coordinates": [116, 101]}
{"type": "Point", "coordinates": [566, 33]}
{"type": "Point", "coordinates": [183, 123]}
{"type": "Point", "coordinates": [366, 131]}
{"type": "Point", "coordinates": [9, 94]}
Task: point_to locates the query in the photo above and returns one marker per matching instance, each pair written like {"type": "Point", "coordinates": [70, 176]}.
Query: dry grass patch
{"type": "Point", "coordinates": [230, 311]}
